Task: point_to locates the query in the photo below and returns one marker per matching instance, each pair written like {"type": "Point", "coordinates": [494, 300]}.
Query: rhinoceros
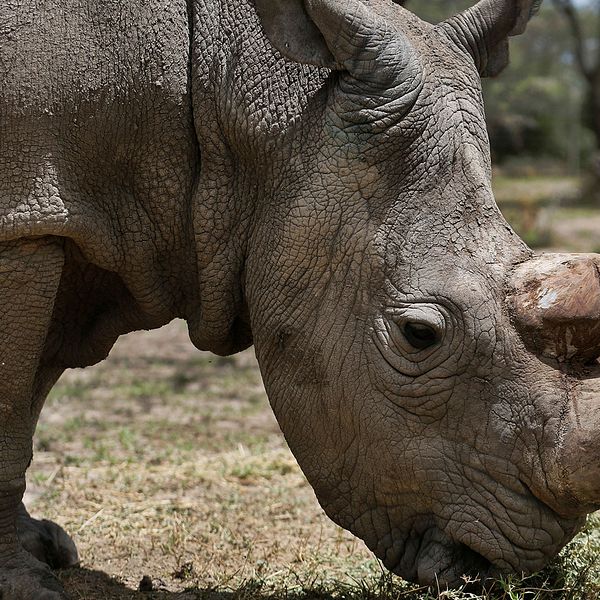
{"type": "Point", "coordinates": [311, 177]}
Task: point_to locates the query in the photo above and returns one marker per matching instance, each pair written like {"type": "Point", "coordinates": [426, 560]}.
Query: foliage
{"type": "Point", "coordinates": [535, 107]}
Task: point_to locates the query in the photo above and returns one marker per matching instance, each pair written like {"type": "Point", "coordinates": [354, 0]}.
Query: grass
{"type": "Point", "coordinates": [167, 465]}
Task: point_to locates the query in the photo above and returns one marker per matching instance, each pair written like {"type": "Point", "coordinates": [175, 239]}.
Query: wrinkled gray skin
{"type": "Point", "coordinates": [162, 160]}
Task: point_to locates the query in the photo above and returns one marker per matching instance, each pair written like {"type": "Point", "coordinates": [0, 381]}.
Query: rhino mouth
{"type": "Point", "coordinates": [445, 561]}
{"type": "Point", "coordinates": [438, 560]}
{"type": "Point", "coordinates": [522, 540]}
{"type": "Point", "coordinates": [472, 546]}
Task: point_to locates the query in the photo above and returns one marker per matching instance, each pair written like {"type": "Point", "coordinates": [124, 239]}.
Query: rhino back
{"type": "Point", "coordinates": [96, 136]}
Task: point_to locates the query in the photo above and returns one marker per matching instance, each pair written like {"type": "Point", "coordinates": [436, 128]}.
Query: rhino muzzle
{"type": "Point", "coordinates": [555, 302]}
{"type": "Point", "coordinates": [581, 451]}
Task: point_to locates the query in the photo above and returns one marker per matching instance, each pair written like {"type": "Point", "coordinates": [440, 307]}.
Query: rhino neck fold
{"type": "Point", "coordinates": [246, 100]}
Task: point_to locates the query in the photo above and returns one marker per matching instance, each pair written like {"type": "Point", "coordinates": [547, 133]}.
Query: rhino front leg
{"type": "Point", "coordinates": [30, 272]}
{"type": "Point", "coordinates": [46, 540]}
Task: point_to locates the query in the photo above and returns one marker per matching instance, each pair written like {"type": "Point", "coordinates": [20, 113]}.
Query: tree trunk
{"type": "Point", "coordinates": [594, 95]}
{"type": "Point", "coordinates": [591, 189]}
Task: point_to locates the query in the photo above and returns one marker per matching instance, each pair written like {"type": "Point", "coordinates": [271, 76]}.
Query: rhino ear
{"type": "Point", "coordinates": [483, 30]}
{"type": "Point", "coordinates": [291, 30]}
{"type": "Point", "coordinates": [343, 35]}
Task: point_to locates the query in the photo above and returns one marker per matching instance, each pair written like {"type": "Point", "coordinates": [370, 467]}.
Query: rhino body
{"type": "Point", "coordinates": [314, 178]}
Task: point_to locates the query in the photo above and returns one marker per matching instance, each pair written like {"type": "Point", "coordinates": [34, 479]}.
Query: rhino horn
{"type": "Point", "coordinates": [556, 305]}
{"type": "Point", "coordinates": [342, 35]}
{"type": "Point", "coordinates": [483, 30]}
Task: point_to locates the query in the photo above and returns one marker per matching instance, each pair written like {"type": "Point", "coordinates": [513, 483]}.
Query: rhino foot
{"type": "Point", "coordinates": [46, 541]}
{"type": "Point", "coordinates": [23, 577]}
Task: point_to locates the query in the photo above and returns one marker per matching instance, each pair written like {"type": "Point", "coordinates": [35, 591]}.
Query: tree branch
{"type": "Point", "coordinates": [568, 10]}
{"type": "Point", "coordinates": [597, 65]}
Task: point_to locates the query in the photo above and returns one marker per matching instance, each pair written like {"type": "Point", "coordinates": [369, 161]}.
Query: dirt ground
{"type": "Point", "coordinates": [167, 466]}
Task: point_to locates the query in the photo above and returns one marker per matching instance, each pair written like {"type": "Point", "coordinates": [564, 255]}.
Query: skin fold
{"type": "Point", "coordinates": [312, 178]}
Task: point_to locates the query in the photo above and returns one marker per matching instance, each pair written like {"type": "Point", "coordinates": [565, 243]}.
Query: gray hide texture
{"type": "Point", "coordinates": [314, 178]}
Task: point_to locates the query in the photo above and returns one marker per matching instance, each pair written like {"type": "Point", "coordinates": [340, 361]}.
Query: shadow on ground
{"type": "Point", "coordinates": [88, 584]}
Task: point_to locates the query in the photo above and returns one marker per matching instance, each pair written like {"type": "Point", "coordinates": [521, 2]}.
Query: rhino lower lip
{"type": "Point", "coordinates": [476, 557]}
{"type": "Point", "coordinates": [440, 560]}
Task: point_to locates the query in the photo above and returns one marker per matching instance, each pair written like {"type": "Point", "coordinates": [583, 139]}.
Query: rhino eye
{"type": "Point", "coordinates": [420, 336]}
